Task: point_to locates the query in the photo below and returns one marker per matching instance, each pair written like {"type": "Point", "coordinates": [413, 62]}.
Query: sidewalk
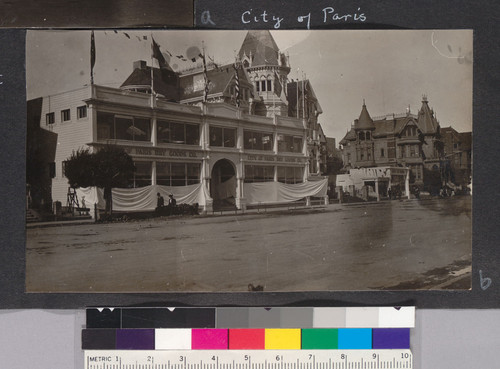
{"type": "Point", "coordinates": [58, 223]}
{"type": "Point", "coordinates": [271, 210]}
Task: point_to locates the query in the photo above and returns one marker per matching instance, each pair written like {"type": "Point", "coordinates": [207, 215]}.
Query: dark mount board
{"type": "Point", "coordinates": [478, 15]}
{"type": "Point", "coordinates": [96, 13]}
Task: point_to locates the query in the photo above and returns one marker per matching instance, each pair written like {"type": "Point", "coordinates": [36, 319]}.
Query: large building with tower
{"type": "Point", "coordinates": [218, 136]}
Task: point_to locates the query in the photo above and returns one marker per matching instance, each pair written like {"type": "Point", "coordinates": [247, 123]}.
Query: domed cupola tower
{"type": "Point", "coordinates": [267, 69]}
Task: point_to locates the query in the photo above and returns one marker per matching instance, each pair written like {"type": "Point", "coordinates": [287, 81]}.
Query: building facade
{"type": "Point", "coordinates": [403, 140]}
{"type": "Point", "coordinates": [458, 152]}
{"type": "Point", "coordinates": [222, 132]}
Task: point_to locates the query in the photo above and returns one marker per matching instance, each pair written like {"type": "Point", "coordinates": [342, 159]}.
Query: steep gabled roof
{"type": "Point", "coordinates": [384, 127]}
{"type": "Point", "coordinates": [260, 45]}
{"type": "Point", "coordinates": [364, 121]}
{"type": "Point", "coordinates": [427, 122]}
{"type": "Point", "coordinates": [193, 85]}
{"type": "Point", "coordinates": [165, 81]}
{"type": "Point", "coordinates": [350, 136]}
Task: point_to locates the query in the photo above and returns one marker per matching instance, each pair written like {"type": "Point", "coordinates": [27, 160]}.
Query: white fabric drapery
{"type": "Point", "coordinates": [143, 198]}
{"type": "Point", "coordinates": [277, 192]}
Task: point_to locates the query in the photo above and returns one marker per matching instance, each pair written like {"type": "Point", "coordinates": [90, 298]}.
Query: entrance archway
{"type": "Point", "coordinates": [223, 184]}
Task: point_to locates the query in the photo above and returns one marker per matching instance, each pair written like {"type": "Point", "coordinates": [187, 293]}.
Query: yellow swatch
{"type": "Point", "coordinates": [283, 339]}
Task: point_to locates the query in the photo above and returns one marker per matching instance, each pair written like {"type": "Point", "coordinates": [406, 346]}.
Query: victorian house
{"type": "Point", "coordinates": [402, 140]}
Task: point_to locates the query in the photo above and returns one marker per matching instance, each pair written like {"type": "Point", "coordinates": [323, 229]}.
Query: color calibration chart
{"type": "Point", "coordinates": [248, 338]}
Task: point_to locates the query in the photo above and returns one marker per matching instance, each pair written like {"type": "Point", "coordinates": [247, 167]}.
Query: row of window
{"type": "Point", "coordinates": [410, 131]}
{"type": "Point", "coordinates": [118, 127]}
{"type": "Point", "coordinates": [364, 154]}
{"type": "Point", "coordinates": [184, 174]}
{"type": "Point", "coordinates": [81, 112]}
{"type": "Point", "coordinates": [265, 173]}
{"type": "Point", "coordinates": [167, 174]}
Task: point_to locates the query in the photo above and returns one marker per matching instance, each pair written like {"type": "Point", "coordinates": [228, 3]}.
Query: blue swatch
{"type": "Point", "coordinates": [355, 338]}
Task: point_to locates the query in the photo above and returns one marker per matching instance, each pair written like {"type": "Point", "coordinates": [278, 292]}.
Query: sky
{"type": "Point", "coordinates": [389, 69]}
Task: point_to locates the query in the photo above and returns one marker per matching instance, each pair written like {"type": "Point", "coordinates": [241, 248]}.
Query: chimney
{"type": "Point", "coordinates": [140, 64]}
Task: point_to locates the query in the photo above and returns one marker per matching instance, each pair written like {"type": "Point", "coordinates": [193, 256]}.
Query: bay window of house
{"type": "Point", "coordinates": [222, 137]}
{"type": "Point", "coordinates": [418, 173]}
{"type": "Point", "coordinates": [413, 151]}
{"type": "Point", "coordinates": [290, 175]}
{"type": "Point", "coordinates": [258, 140]}
{"type": "Point", "coordinates": [121, 127]}
{"type": "Point", "coordinates": [289, 143]}
{"type": "Point", "coordinates": [177, 174]}
{"type": "Point", "coordinates": [259, 173]}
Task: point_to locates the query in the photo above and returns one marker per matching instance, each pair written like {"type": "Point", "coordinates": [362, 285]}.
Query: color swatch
{"type": "Point", "coordinates": [246, 339]}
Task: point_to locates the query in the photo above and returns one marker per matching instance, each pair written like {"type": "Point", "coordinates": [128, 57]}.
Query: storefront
{"type": "Point", "coordinates": [375, 182]}
{"type": "Point", "coordinates": [213, 155]}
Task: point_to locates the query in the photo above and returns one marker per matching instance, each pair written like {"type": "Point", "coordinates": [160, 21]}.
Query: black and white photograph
{"type": "Point", "coordinates": [248, 161]}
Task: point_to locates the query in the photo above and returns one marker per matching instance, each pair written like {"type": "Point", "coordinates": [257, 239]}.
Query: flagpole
{"type": "Point", "coordinates": [152, 74]}
{"type": "Point", "coordinates": [205, 73]}
{"type": "Point", "coordinates": [274, 91]}
{"type": "Point", "coordinates": [303, 98]}
{"type": "Point", "coordinates": [92, 57]}
{"type": "Point", "coordinates": [297, 102]}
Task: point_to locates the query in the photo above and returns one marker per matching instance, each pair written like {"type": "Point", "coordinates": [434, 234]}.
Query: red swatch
{"type": "Point", "coordinates": [247, 339]}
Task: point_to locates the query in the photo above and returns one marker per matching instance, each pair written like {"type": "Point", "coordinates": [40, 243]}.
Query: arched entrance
{"type": "Point", "coordinates": [223, 184]}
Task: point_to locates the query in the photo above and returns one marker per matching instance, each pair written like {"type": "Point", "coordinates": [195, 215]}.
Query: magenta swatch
{"type": "Point", "coordinates": [209, 339]}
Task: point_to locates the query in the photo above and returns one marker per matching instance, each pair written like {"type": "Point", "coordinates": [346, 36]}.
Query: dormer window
{"type": "Point", "coordinates": [411, 131]}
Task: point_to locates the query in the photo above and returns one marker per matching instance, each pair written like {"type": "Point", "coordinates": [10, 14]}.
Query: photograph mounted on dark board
{"type": "Point", "coordinates": [287, 161]}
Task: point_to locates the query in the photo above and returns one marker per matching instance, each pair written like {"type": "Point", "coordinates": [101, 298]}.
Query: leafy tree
{"type": "Point", "coordinates": [333, 165]}
{"type": "Point", "coordinates": [113, 168]}
{"type": "Point", "coordinates": [79, 168]}
{"type": "Point", "coordinates": [108, 168]}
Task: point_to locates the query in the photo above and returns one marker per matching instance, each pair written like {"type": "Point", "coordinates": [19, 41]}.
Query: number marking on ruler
{"type": "Point", "coordinates": [243, 359]}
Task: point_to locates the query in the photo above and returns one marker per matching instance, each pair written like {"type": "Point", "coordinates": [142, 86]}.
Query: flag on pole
{"type": "Point", "coordinates": [205, 76]}
{"type": "Point", "coordinates": [92, 57]}
{"type": "Point", "coordinates": [158, 55]}
{"type": "Point", "coordinates": [277, 85]}
{"type": "Point", "coordinates": [237, 84]}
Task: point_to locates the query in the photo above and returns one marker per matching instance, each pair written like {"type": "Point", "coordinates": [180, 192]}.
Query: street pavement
{"type": "Point", "coordinates": [407, 244]}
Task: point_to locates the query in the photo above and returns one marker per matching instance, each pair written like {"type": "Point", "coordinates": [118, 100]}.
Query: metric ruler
{"type": "Point", "coordinates": [245, 359]}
